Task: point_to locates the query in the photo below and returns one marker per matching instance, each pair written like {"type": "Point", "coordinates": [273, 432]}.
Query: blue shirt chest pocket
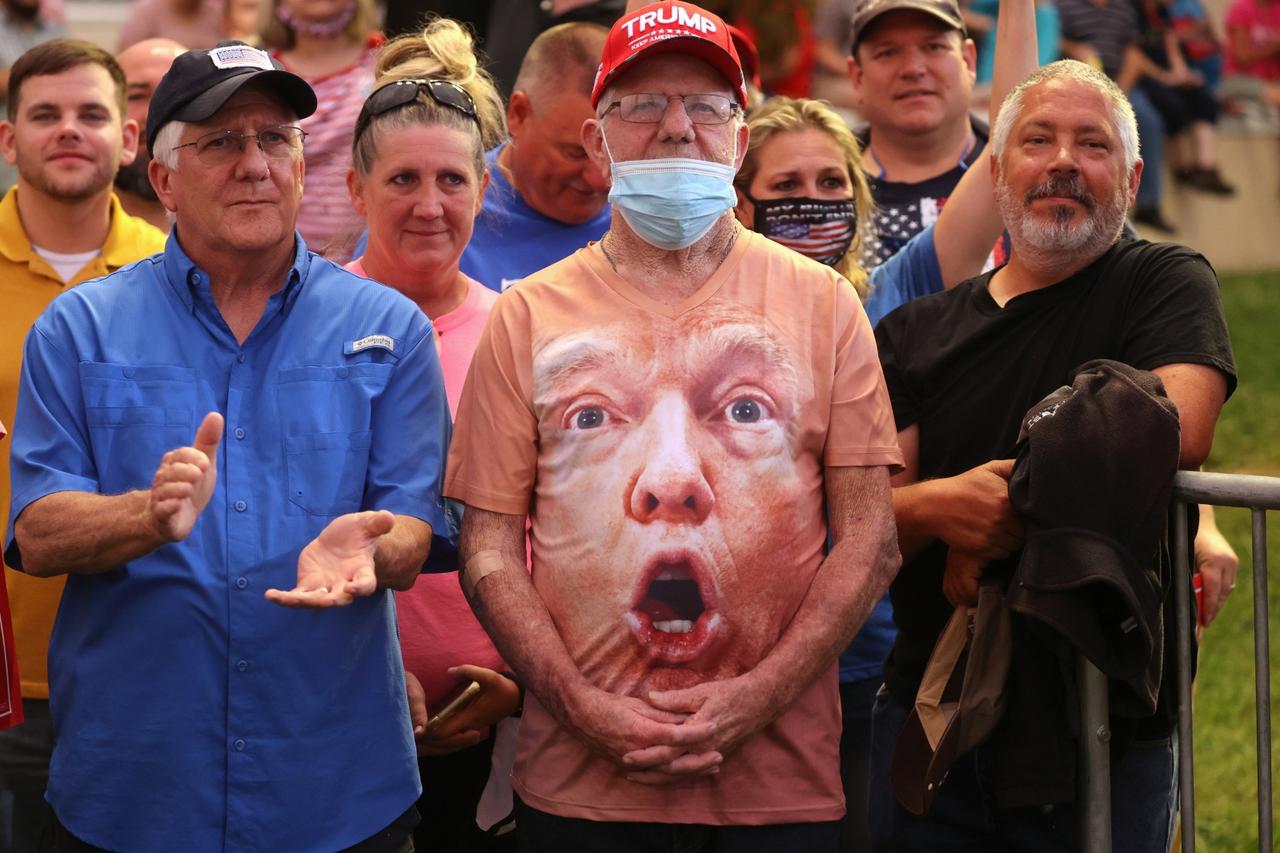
{"type": "Point", "coordinates": [135, 414]}
{"type": "Point", "coordinates": [326, 417]}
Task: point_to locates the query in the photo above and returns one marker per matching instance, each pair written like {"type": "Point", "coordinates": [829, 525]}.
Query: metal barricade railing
{"type": "Point", "coordinates": [1258, 494]}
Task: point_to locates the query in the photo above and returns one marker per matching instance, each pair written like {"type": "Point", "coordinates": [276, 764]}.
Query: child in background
{"type": "Point", "coordinates": [1200, 44]}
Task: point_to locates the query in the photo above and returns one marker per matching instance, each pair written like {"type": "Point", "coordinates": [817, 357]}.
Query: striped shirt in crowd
{"type": "Point", "coordinates": [326, 215]}
{"type": "Point", "coordinates": [1108, 27]}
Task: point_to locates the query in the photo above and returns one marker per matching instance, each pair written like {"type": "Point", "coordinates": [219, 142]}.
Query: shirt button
{"type": "Point", "coordinates": [241, 506]}
{"type": "Point", "coordinates": [241, 583]}
{"type": "Point", "coordinates": [239, 745]}
{"type": "Point", "coordinates": [129, 373]}
{"type": "Point", "coordinates": [242, 665]}
{"type": "Point", "coordinates": [342, 372]}
{"type": "Point", "coordinates": [239, 432]}
{"type": "Point", "coordinates": [240, 358]}
{"type": "Point", "coordinates": [195, 278]}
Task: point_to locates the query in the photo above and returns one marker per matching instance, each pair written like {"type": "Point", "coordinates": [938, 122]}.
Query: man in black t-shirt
{"type": "Point", "coordinates": [962, 368]}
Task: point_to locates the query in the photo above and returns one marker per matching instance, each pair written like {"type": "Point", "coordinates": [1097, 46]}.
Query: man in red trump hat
{"type": "Point", "coordinates": [678, 409]}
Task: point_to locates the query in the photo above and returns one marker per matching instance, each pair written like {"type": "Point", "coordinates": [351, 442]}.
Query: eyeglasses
{"type": "Point", "coordinates": [226, 146]}
{"type": "Point", "coordinates": [649, 109]}
{"type": "Point", "coordinates": [401, 93]}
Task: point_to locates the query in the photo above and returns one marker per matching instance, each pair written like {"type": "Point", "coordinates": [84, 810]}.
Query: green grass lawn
{"type": "Point", "coordinates": [1247, 441]}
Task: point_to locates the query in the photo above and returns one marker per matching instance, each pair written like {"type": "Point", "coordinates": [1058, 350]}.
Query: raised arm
{"type": "Point", "coordinates": [970, 222]}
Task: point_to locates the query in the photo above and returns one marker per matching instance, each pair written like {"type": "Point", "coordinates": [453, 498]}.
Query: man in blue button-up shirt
{"type": "Point", "coordinates": [191, 711]}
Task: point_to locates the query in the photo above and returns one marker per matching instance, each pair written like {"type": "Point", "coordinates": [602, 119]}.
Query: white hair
{"type": "Point", "coordinates": [1069, 69]}
{"type": "Point", "coordinates": [162, 150]}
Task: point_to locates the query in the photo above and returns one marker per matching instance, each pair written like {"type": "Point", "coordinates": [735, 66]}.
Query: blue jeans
{"type": "Point", "coordinates": [546, 833]}
{"type": "Point", "coordinates": [1151, 145]}
{"type": "Point", "coordinates": [964, 819]}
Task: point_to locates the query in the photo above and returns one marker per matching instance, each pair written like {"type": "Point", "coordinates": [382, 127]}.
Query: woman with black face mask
{"type": "Point", "coordinates": [802, 185]}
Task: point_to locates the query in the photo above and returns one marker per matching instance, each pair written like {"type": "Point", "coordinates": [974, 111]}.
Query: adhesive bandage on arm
{"type": "Point", "coordinates": [481, 565]}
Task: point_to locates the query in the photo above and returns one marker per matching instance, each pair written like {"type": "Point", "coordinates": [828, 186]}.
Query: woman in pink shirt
{"type": "Point", "coordinates": [418, 176]}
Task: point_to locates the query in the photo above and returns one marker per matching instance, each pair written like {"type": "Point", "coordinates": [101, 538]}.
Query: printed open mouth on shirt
{"type": "Point", "coordinates": [674, 614]}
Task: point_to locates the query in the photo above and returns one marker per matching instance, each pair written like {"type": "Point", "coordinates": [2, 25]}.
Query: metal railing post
{"type": "Point", "coordinates": [1182, 589]}
{"type": "Point", "coordinates": [1262, 674]}
{"type": "Point", "coordinates": [1095, 758]}
{"type": "Point", "coordinates": [1258, 494]}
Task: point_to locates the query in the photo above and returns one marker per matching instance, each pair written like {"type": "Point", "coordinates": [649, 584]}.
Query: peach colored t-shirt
{"type": "Point", "coordinates": [671, 459]}
{"type": "Point", "coordinates": [437, 628]}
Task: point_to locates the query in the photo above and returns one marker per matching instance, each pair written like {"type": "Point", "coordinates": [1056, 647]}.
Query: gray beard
{"type": "Point", "coordinates": [1057, 243]}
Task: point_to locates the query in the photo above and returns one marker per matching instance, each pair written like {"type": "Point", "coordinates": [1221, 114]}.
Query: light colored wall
{"type": "Point", "coordinates": [1240, 233]}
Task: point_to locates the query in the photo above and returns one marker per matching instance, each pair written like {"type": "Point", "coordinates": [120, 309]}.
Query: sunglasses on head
{"type": "Point", "coordinates": [401, 93]}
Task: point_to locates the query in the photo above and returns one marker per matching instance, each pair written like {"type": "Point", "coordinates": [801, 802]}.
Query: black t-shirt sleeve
{"type": "Point", "coordinates": [890, 340]}
{"type": "Point", "coordinates": [1176, 314]}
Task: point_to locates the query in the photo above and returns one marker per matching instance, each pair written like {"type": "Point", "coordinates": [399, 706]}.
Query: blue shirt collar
{"type": "Point", "coordinates": [190, 282]}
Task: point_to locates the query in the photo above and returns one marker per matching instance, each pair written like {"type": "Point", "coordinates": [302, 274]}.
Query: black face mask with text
{"type": "Point", "coordinates": [816, 228]}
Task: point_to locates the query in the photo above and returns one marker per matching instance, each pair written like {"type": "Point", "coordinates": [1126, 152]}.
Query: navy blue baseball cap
{"type": "Point", "coordinates": [200, 81]}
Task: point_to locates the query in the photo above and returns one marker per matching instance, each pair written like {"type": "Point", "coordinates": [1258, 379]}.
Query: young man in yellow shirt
{"type": "Point", "coordinates": [67, 134]}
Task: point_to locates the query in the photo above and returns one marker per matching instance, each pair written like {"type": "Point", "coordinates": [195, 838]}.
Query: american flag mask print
{"type": "Point", "coordinates": [819, 229]}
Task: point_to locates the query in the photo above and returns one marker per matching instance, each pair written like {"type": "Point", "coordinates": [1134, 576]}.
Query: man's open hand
{"type": "Point", "coordinates": [337, 566]}
{"type": "Point", "coordinates": [185, 480]}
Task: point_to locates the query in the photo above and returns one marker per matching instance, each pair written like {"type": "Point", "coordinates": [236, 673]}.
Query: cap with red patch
{"type": "Point", "coordinates": [669, 27]}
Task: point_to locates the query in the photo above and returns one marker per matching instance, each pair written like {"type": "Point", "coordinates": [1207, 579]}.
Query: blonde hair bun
{"type": "Point", "coordinates": [445, 50]}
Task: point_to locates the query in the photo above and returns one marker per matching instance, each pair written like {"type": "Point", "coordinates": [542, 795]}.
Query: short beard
{"type": "Point", "coordinates": [66, 192]}
{"type": "Point", "coordinates": [134, 180]}
{"type": "Point", "coordinates": [1059, 243]}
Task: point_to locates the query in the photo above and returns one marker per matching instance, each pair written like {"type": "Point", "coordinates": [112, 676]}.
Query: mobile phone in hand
{"type": "Point", "coordinates": [464, 698]}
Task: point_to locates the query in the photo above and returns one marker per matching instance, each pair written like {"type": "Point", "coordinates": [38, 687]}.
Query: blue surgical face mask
{"type": "Point", "coordinates": [672, 202]}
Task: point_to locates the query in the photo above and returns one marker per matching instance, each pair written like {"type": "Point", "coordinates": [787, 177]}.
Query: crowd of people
{"type": "Point", "coordinates": [1181, 69]}
{"type": "Point", "coordinates": [400, 463]}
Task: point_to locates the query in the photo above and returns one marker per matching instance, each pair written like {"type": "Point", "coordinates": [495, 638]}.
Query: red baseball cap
{"type": "Point", "coordinates": [670, 27]}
